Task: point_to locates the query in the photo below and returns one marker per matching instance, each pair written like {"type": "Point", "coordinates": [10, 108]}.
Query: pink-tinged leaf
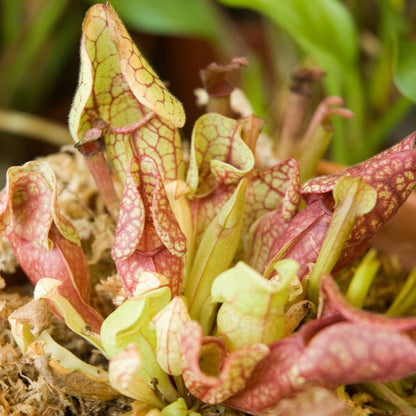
{"type": "Point", "coordinates": [326, 353]}
{"type": "Point", "coordinates": [148, 237]}
{"type": "Point", "coordinates": [66, 262]}
{"type": "Point", "coordinates": [219, 379]}
{"type": "Point", "coordinates": [218, 154]}
{"type": "Point", "coordinates": [145, 84]}
{"type": "Point", "coordinates": [92, 150]}
{"type": "Point", "coordinates": [262, 238]}
{"type": "Point", "coordinates": [272, 199]}
{"type": "Point", "coordinates": [347, 353]}
{"type": "Point", "coordinates": [144, 271]}
{"type": "Point", "coordinates": [131, 218]}
{"type": "Point", "coordinates": [203, 210]}
{"type": "Point", "coordinates": [118, 86]}
{"type": "Point", "coordinates": [334, 304]}
{"type": "Point", "coordinates": [45, 243]}
{"type": "Point", "coordinates": [315, 401]}
{"type": "Point", "coordinates": [168, 324]}
{"type": "Point", "coordinates": [270, 381]}
{"type": "Point", "coordinates": [161, 141]}
{"type": "Point", "coordinates": [47, 288]}
{"type": "Point", "coordinates": [301, 240]}
{"type": "Point", "coordinates": [343, 346]}
{"type": "Point", "coordinates": [165, 223]}
{"type": "Point", "coordinates": [272, 189]}
{"type": "Point", "coordinates": [391, 173]}
{"type": "Point", "coordinates": [29, 205]}
{"type": "Point", "coordinates": [219, 160]}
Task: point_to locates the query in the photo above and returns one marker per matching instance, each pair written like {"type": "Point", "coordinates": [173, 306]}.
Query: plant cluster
{"type": "Point", "coordinates": [219, 259]}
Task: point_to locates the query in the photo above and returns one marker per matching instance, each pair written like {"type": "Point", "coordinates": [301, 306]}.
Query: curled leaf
{"type": "Point", "coordinates": [219, 160]}
{"type": "Point", "coordinates": [252, 308]}
{"type": "Point", "coordinates": [218, 154]}
{"type": "Point", "coordinates": [334, 304]}
{"type": "Point", "coordinates": [299, 240]}
{"type": "Point", "coordinates": [29, 205]}
{"type": "Point", "coordinates": [47, 288]}
{"type": "Point", "coordinates": [219, 380]}
{"type": "Point", "coordinates": [45, 243]}
{"type": "Point", "coordinates": [118, 86]}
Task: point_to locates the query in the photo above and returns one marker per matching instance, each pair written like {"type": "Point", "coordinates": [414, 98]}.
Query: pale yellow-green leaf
{"type": "Point", "coordinates": [252, 308]}
{"type": "Point", "coordinates": [124, 370]}
{"type": "Point", "coordinates": [130, 323]}
{"type": "Point", "coordinates": [353, 198]}
{"type": "Point", "coordinates": [168, 323]}
{"type": "Point", "coordinates": [215, 251]}
{"type": "Point", "coordinates": [47, 289]}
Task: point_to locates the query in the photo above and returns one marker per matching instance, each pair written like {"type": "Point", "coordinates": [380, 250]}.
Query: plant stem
{"type": "Point", "coordinates": [362, 279]}
{"type": "Point", "coordinates": [406, 297]}
{"type": "Point", "coordinates": [90, 147]}
{"type": "Point", "coordinates": [381, 391]}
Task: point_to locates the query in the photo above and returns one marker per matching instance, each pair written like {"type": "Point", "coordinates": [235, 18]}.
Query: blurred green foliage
{"type": "Point", "coordinates": [196, 18]}
{"type": "Point", "coordinates": [366, 47]}
{"type": "Point", "coordinates": [36, 39]}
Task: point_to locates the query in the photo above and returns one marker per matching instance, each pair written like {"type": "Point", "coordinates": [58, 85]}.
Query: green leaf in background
{"type": "Point", "coordinates": [404, 66]}
{"type": "Point", "coordinates": [323, 28]}
{"type": "Point", "coordinates": [196, 18]}
{"type": "Point", "coordinates": [34, 46]}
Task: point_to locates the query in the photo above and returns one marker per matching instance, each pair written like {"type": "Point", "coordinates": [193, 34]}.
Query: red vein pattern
{"type": "Point", "coordinates": [337, 349]}
{"type": "Point", "coordinates": [118, 86]}
{"type": "Point", "coordinates": [148, 238]}
{"type": "Point", "coordinates": [391, 173]}
{"type": "Point", "coordinates": [233, 370]}
{"type": "Point", "coordinates": [44, 242]}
